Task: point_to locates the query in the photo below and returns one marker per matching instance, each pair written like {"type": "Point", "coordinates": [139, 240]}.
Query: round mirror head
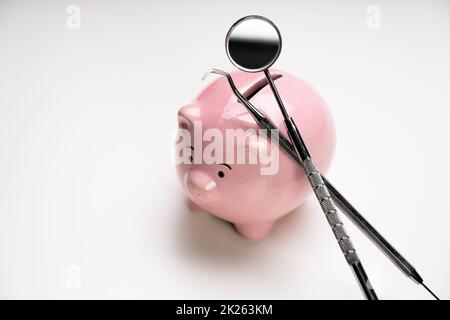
{"type": "Point", "coordinates": [253, 43]}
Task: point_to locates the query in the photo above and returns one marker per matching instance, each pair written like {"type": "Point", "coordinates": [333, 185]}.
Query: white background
{"type": "Point", "coordinates": [90, 206]}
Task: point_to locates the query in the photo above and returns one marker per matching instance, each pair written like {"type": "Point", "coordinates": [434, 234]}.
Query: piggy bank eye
{"type": "Point", "coordinates": [220, 173]}
{"type": "Point", "coordinates": [191, 158]}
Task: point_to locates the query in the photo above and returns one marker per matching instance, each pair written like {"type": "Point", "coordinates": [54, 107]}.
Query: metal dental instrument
{"type": "Point", "coordinates": [253, 44]}
{"type": "Point", "coordinates": [344, 205]}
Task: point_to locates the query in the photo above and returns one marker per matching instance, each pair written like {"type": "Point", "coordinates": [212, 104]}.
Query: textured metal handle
{"type": "Point", "coordinates": [328, 207]}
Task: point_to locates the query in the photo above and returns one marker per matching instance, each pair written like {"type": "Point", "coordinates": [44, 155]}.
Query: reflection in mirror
{"type": "Point", "coordinates": [253, 43]}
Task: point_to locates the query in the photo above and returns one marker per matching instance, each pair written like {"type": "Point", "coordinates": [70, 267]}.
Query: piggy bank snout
{"type": "Point", "coordinates": [200, 187]}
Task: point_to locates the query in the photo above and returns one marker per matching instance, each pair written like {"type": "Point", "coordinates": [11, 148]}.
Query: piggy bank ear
{"type": "Point", "coordinates": [187, 115]}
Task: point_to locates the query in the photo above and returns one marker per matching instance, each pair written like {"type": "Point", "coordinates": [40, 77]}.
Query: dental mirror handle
{"type": "Point", "coordinates": [327, 205]}
{"type": "Point", "coordinates": [350, 211]}
{"type": "Point", "coordinates": [324, 198]}
{"type": "Point", "coordinates": [341, 202]}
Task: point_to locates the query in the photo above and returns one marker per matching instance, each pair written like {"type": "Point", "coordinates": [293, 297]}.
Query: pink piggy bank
{"type": "Point", "coordinates": [240, 193]}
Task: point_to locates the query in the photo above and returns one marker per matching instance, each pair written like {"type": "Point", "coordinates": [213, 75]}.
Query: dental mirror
{"type": "Point", "coordinates": [253, 43]}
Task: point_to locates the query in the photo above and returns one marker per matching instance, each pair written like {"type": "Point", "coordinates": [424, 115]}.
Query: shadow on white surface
{"type": "Point", "coordinates": [212, 251]}
{"type": "Point", "coordinates": [202, 235]}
